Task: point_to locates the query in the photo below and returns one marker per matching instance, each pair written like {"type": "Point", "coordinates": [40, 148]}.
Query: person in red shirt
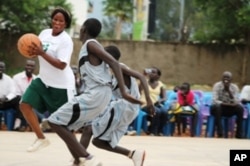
{"type": "Point", "coordinates": [185, 96]}
{"type": "Point", "coordinates": [186, 100]}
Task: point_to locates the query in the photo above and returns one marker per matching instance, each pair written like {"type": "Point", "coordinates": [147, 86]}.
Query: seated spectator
{"type": "Point", "coordinates": [158, 96]}
{"type": "Point", "coordinates": [8, 97]}
{"type": "Point", "coordinates": [172, 96]}
{"type": "Point", "coordinates": [245, 94]}
{"type": "Point", "coordinates": [176, 88]}
{"type": "Point", "coordinates": [226, 103]}
{"type": "Point", "coordinates": [186, 105]}
{"type": "Point", "coordinates": [22, 81]}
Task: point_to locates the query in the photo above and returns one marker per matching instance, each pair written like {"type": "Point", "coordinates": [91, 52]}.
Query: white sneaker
{"type": "Point", "coordinates": [17, 123]}
{"type": "Point", "coordinates": [138, 157]}
{"type": "Point", "coordinates": [90, 162]}
{"type": "Point", "coordinates": [72, 162]}
{"type": "Point", "coordinates": [38, 144]}
{"type": "Point", "coordinates": [131, 133]}
{"type": "Point", "coordinates": [45, 125]}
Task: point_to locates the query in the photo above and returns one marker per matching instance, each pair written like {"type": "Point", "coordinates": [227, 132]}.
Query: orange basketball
{"type": "Point", "coordinates": [24, 43]}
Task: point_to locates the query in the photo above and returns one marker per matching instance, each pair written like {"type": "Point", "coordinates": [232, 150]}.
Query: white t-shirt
{"type": "Point", "coordinates": [7, 87]}
{"type": "Point", "coordinates": [60, 47]}
{"type": "Point", "coordinates": [245, 92]}
{"type": "Point", "coordinates": [22, 82]}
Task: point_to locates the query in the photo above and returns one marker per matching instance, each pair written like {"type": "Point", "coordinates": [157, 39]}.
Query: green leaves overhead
{"type": "Point", "coordinates": [119, 8]}
{"type": "Point", "coordinates": [21, 16]}
{"type": "Point", "coordinates": [224, 21]}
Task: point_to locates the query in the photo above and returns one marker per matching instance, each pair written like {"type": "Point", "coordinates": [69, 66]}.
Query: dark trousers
{"type": "Point", "coordinates": [14, 104]}
{"type": "Point", "coordinates": [218, 110]}
{"type": "Point", "coordinates": [180, 118]}
{"type": "Point", "coordinates": [158, 121]}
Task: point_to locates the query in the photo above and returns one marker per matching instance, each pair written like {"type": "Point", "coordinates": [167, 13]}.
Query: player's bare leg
{"type": "Point", "coordinates": [32, 119]}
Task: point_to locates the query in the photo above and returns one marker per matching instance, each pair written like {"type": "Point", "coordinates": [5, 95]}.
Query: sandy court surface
{"type": "Point", "coordinates": [161, 151]}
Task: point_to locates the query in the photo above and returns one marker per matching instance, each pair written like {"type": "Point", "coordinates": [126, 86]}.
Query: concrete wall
{"type": "Point", "coordinates": [196, 64]}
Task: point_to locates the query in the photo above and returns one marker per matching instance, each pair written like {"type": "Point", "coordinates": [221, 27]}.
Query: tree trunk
{"type": "Point", "coordinates": [118, 27]}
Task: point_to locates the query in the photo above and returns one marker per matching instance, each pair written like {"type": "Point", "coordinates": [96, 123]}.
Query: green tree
{"type": "Point", "coordinates": [170, 24]}
{"type": "Point", "coordinates": [22, 16]}
{"type": "Point", "coordinates": [225, 21]}
{"type": "Point", "coordinates": [167, 21]}
{"type": "Point", "coordinates": [108, 28]}
{"type": "Point", "coordinates": [122, 10]}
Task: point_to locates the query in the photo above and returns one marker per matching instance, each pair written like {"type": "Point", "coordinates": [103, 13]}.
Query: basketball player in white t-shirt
{"type": "Point", "coordinates": [55, 83]}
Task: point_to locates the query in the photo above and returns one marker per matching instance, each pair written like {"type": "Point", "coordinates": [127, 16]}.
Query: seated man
{"type": "Point", "coordinates": [226, 103]}
{"type": "Point", "coordinates": [245, 94]}
{"type": "Point", "coordinates": [8, 97]}
{"type": "Point", "coordinates": [22, 80]}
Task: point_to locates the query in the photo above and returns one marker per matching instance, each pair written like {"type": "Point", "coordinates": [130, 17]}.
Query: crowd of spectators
{"type": "Point", "coordinates": [172, 106]}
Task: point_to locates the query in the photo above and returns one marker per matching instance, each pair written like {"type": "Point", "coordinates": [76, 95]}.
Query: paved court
{"type": "Point", "coordinates": [161, 151]}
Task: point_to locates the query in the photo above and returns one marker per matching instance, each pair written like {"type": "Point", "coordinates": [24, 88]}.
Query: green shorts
{"type": "Point", "coordinates": [44, 98]}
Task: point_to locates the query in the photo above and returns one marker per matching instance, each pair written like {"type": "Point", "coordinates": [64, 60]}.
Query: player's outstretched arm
{"type": "Point", "coordinates": [98, 51]}
{"type": "Point", "coordinates": [144, 85]}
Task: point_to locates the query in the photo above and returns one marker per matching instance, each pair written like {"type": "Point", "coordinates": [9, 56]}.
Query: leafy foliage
{"type": "Point", "coordinates": [170, 24]}
{"type": "Point", "coordinates": [167, 21]}
{"type": "Point", "coordinates": [121, 10]}
{"type": "Point", "coordinates": [22, 16]}
{"type": "Point", "coordinates": [108, 28]}
{"type": "Point", "coordinates": [224, 21]}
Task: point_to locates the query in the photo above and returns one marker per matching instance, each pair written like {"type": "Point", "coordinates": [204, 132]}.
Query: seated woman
{"type": "Point", "coordinates": [157, 94]}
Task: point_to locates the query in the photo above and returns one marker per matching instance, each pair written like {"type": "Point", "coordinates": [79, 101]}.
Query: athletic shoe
{"type": "Point", "coordinates": [131, 133]}
{"type": "Point", "coordinates": [38, 144]}
{"type": "Point", "coordinates": [45, 125]}
{"type": "Point", "coordinates": [161, 134]}
{"type": "Point", "coordinates": [72, 162]}
{"type": "Point", "coordinates": [90, 162]}
{"type": "Point", "coordinates": [138, 157]}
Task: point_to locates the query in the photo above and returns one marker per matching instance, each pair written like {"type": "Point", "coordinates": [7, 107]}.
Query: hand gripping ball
{"type": "Point", "coordinates": [24, 44]}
